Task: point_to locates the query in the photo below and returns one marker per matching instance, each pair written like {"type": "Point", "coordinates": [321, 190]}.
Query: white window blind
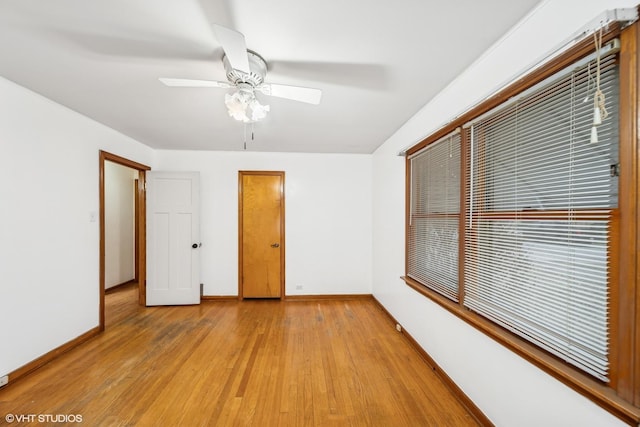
{"type": "Point", "coordinates": [540, 203]}
{"type": "Point", "coordinates": [434, 216]}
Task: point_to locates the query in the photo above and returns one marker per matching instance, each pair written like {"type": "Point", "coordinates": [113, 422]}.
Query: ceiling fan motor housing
{"type": "Point", "coordinates": [257, 66]}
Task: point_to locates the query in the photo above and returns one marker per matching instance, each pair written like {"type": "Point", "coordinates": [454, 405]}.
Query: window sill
{"type": "Point", "coordinates": [596, 391]}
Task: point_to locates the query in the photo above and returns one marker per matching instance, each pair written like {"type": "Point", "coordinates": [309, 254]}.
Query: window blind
{"type": "Point", "coordinates": [434, 216]}
{"type": "Point", "coordinates": [541, 199]}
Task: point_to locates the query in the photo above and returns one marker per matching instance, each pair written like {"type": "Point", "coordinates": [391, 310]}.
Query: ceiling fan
{"type": "Point", "coordinates": [246, 71]}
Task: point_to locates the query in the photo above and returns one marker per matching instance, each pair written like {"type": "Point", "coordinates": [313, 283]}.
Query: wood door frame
{"type": "Point", "coordinates": [140, 225]}
{"type": "Point", "coordinates": [241, 174]}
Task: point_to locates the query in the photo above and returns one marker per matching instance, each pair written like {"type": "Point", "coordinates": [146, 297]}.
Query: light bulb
{"type": "Point", "coordinates": [258, 111]}
{"type": "Point", "coordinates": [243, 106]}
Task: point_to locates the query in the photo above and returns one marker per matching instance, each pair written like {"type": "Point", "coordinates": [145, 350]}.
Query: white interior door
{"type": "Point", "coordinates": [173, 238]}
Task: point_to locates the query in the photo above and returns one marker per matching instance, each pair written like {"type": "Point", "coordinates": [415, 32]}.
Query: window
{"type": "Point", "coordinates": [541, 200]}
{"type": "Point", "coordinates": [522, 225]}
{"type": "Point", "coordinates": [434, 216]}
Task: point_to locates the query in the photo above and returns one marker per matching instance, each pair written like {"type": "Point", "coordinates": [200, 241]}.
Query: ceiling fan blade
{"type": "Point", "coordinates": [193, 83]}
{"type": "Point", "coordinates": [360, 75]}
{"type": "Point", "coordinates": [154, 46]}
{"type": "Point", "coordinates": [296, 93]}
{"type": "Point", "coordinates": [234, 47]}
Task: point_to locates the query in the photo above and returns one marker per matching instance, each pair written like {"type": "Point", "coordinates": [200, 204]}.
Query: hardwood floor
{"type": "Point", "coordinates": [260, 363]}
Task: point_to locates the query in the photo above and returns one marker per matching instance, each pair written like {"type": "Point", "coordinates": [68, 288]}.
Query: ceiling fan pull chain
{"type": "Point", "coordinates": [244, 127]}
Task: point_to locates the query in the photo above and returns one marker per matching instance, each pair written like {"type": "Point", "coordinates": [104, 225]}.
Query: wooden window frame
{"type": "Point", "coordinates": [621, 396]}
{"type": "Point", "coordinates": [437, 215]}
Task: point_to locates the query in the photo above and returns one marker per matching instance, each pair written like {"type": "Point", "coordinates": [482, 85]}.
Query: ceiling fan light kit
{"type": "Point", "coordinates": [245, 72]}
{"type": "Point", "coordinates": [243, 106]}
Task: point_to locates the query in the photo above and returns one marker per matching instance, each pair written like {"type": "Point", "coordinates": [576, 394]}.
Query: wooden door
{"type": "Point", "coordinates": [261, 234]}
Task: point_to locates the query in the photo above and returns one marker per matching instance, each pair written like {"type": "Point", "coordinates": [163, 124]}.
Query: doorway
{"type": "Point", "coordinates": [261, 234]}
{"type": "Point", "coordinates": [120, 187]}
{"type": "Point", "coordinates": [138, 222]}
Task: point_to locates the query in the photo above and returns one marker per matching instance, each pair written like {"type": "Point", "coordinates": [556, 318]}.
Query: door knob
{"type": "Point", "coordinates": [275, 245]}
{"type": "Point", "coordinates": [196, 245]}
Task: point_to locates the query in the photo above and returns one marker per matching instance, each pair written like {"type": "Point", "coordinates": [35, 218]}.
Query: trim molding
{"type": "Point", "coordinates": [335, 297]}
{"type": "Point", "coordinates": [474, 410]}
{"type": "Point", "coordinates": [218, 298]}
{"type": "Point", "coordinates": [292, 298]}
{"type": "Point", "coordinates": [48, 357]}
{"type": "Point", "coordinates": [598, 393]}
{"type": "Point", "coordinates": [117, 287]}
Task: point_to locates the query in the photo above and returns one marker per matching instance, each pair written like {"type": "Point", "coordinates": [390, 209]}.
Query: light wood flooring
{"type": "Point", "coordinates": [248, 363]}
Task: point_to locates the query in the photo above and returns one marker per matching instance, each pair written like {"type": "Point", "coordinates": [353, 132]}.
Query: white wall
{"type": "Point", "coordinates": [49, 255]}
{"type": "Point", "coordinates": [509, 390]}
{"type": "Point", "coordinates": [49, 248]}
{"type": "Point", "coordinates": [119, 211]}
{"type": "Point", "coordinates": [327, 218]}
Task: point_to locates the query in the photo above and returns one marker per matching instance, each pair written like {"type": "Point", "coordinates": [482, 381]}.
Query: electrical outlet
{"type": "Point", "coordinates": [4, 380]}
{"type": "Point", "coordinates": [299, 287]}
{"type": "Point", "coordinates": [398, 327]}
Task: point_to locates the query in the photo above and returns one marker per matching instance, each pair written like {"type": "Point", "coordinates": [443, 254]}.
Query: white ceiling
{"type": "Point", "coordinates": [376, 62]}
